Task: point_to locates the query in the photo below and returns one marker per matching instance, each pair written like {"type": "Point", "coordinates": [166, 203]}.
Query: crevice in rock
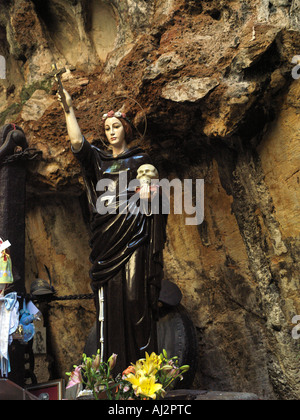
{"type": "Point", "coordinates": [193, 7]}
{"type": "Point", "coordinates": [215, 14]}
{"type": "Point", "coordinates": [265, 65]}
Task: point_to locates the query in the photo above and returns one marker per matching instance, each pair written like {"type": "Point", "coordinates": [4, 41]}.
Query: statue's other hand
{"type": "Point", "coordinates": [145, 192]}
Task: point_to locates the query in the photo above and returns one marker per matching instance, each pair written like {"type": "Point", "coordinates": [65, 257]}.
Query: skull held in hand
{"type": "Point", "coordinates": [147, 172]}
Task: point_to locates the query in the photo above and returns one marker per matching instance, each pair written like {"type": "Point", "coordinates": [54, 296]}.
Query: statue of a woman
{"type": "Point", "coordinates": [126, 256]}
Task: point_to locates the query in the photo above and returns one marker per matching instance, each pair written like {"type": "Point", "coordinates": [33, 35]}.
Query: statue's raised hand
{"type": "Point", "coordinates": [68, 99]}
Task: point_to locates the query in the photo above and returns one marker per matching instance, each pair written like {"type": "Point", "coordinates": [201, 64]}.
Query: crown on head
{"type": "Point", "coordinates": [112, 114]}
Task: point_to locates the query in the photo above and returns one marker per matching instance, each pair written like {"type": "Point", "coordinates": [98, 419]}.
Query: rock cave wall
{"type": "Point", "coordinates": [214, 78]}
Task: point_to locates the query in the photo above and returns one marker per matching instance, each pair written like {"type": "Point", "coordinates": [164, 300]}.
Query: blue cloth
{"type": "Point", "coordinates": [27, 321]}
{"type": "Point", "coordinates": [9, 300]}
{"type": "Point", "coordinates": [7, 304]}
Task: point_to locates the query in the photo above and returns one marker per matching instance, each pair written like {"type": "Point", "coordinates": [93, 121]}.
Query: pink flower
{"type": "Point", "coordinates": [110, 114]}
{"type": "Point", "coordinates": [75, 378]}
{"type": "Point", "coordinates": [112, 361]}
{"type": "Point", "coordinates": [97, 362]}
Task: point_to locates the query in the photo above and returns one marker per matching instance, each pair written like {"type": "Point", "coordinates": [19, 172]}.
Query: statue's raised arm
{"type": "Point", "coordinates": [73, 128]}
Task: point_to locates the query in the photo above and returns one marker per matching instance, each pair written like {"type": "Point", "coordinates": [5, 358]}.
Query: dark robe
{"type": "Point", "coordinates": [126, 257]}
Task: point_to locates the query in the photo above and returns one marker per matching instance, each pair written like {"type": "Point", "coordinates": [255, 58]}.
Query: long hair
{"type": "Point", "coordinates": [128, 129]}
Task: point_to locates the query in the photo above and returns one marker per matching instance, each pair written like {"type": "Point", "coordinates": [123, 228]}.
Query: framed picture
{"type": "Point", "coordinates": [52, 390]}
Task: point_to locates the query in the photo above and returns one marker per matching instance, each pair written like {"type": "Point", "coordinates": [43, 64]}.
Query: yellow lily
{"type": "Point", "coordinates": [152, 364]}
{"type": "Point", "coordinates": [144, 385]}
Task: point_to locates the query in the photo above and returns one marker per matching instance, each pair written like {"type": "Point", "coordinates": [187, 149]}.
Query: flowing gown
{"type": "Point", "coordinates": [126, 256]}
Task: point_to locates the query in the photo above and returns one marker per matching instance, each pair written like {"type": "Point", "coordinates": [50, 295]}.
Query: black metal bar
{"type": "Point", "coordinates": [53, 298]}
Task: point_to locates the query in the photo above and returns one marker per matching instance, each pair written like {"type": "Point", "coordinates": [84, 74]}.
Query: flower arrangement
{"type": "Point", "coordinates": [147, 379]}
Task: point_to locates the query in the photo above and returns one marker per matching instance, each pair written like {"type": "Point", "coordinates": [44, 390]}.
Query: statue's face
{"type": "Point", "coordinates": [115, 132]}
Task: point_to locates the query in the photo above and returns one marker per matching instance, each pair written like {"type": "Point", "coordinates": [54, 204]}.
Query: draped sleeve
{"type": "Point", "coordinates": [91, 167]}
